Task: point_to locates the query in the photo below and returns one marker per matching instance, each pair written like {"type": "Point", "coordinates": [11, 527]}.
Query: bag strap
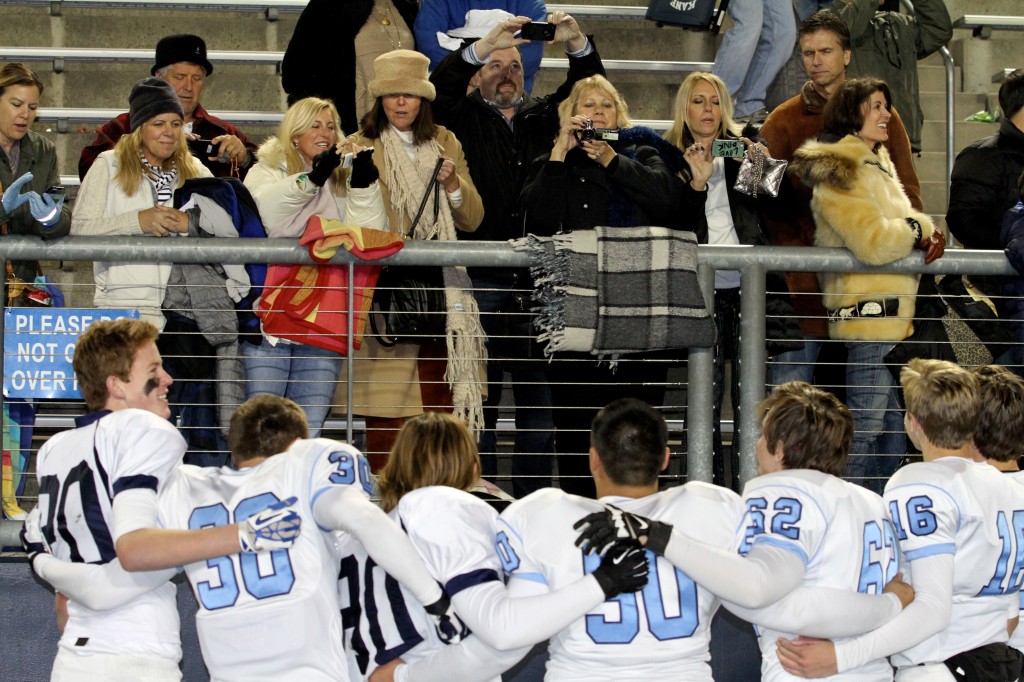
{"type": "Point", "coordinates": [384, 340]}
{"type": "Point", "coordinates": [432, 185]}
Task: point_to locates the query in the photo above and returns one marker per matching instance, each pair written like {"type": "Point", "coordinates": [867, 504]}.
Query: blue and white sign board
{"type": "Point", "coordinates": [39, 344]}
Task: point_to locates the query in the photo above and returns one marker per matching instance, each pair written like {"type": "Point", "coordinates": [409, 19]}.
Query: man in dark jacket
{"type": "Point", "coordinates": [984, 181]}
{"type": "Point", "coordinates": [983, 186]}
{"type": "Point", "coordinates": [181, 61]}
{"type": "Point", "coordinates": [502, 130]}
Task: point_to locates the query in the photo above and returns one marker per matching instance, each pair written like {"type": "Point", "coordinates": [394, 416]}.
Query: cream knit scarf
{"type": "Point", "coordinates": [407, 181]}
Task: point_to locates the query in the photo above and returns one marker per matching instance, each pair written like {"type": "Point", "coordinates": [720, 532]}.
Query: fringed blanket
{"type": "Point", "coordinates": [612, 291]}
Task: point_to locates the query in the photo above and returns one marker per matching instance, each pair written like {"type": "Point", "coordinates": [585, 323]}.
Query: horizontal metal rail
{"type": "Point", "coordinates": [752, 262]}
{"type": "Point", "coordinates": [271, 8]}
{"type": "Point", "coordinates": [59, 55]}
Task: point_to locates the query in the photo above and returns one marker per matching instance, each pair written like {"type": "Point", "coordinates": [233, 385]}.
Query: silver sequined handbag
{"type": "Point", "coordinates": [760, 175]}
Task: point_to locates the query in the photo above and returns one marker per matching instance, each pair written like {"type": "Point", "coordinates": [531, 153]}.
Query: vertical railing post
{"type": "Point", "coordinates": [349, 345]}
{"type": "Point", "coordinates": [753, 365]}
{"type": "Point", "coordinates": [700, 374]}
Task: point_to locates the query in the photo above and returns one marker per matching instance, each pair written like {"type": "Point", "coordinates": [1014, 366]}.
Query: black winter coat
{"type": "Point", "coordinates": [983, 187]}
{"type": "Point", "coordinates": [321, 57]}
{"type": "Point", "coordinates": [744, 208]}
{"type": "Point", "coordinates": [637, 188]}
{"type": "Point", "coordinates": [499, 157]}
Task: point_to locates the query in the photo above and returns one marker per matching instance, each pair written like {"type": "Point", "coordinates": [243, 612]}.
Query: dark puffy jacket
{"type": "Point", "coordinates": [982, 189]}
{"type": "Point", "coordinates": [637, 188]}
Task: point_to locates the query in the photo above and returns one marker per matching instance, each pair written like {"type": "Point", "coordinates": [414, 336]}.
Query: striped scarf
{"type": "Point", "coordinates": [163, 181]}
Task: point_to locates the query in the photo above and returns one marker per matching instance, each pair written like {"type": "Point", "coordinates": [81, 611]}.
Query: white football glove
{"type": "Point", "coordinates": [276, 527]}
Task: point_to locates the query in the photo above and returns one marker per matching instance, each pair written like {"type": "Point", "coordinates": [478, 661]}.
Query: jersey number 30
{"type": "Point", "coordinates": [278, 581]}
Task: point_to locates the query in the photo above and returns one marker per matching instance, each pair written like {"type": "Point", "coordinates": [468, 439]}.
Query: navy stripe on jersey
{"type": "Point", "coordinates": [100, 469]}
{"type": "Point", "coordinates": [86, 419]}
{"type": "Point", "coordinates": [471, 579]}
{"type": "Point", "coordinates": [139, 481]}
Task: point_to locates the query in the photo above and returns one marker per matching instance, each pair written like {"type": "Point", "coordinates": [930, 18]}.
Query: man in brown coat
{"type": "Point", "coordinates": [825, 48]}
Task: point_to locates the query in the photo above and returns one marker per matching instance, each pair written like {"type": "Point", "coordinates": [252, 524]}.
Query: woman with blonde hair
{"type": "Point", "coordinates": [628, 182]}
{"type": "Point", "coordinates": [702, 114]}
{"type": "Point", "coordinates": [395, 382]}
{"type": "Point", "coordinates": [299, 174]}
{"type": "Point", "coordinates": [424, 487]}
{"type": "Point", "coordinates": [129, 190]}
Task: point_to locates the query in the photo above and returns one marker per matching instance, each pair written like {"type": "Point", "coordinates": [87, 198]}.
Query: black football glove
{"type": "Point", "coordinates": [623, 569]}
{"type": "Point", "coordinates": [364, 173]}
{"type": "Point", "coordinates": [450, 628]}
{"type": "Point", "coordinates": [600, 529]}
{"type": "Point", "coordinates": [324, 164]}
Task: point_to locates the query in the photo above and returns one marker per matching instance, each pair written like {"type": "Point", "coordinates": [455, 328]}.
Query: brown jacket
{"type": "Point", "coordinates": [788, 220]}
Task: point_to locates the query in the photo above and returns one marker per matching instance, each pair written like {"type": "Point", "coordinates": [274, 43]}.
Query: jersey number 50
{"type": "Point", "coordinates": [260, 586]}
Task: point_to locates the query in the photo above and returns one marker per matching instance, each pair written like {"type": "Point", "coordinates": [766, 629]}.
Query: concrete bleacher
{"type": "Point", "coordinates": [89, 52]}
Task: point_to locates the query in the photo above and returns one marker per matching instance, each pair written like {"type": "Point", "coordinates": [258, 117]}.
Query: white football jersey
{"type": "Point", "coordinates": [842, 533]}
{"type": "Point", "coordinates": [453, 532]}
{"type": "Point", "coordinates": [272, 615]}
{"type": "Point", "coordinates": [971, 510]}
{"type": "Point", "coordinates": [80, 471]}
{"type": "Point", "coordinates": [666, 625]}
{"type": "Point", "coordinates": [1017, 638]}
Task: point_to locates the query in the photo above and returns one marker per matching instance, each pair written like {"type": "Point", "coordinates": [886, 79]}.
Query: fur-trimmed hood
{"type": "Point", "coordinates": [272, 153]}
{"type": "Point", "coordinates": [836, 163]}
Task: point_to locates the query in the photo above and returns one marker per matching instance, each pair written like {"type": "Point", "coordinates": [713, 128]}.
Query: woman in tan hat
{"type": "Point", "coordinates": [407, 379]}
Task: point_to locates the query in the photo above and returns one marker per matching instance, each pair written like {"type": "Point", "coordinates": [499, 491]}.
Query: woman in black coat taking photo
{"type": "Point", "coordinates": [584, 183]}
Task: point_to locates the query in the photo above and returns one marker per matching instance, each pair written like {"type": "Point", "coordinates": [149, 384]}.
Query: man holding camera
{"type": "Point", "coordinates": [220, 146]}
{"type": "Point", "coordinates": [481, 98]}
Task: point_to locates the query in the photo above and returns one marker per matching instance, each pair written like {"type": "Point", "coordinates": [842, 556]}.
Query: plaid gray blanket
{"type": "Point", "coordinates": [612, 291]}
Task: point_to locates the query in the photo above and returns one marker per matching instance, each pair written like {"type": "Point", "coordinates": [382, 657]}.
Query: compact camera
{"type": "Point", "coordinates": [589, 133]}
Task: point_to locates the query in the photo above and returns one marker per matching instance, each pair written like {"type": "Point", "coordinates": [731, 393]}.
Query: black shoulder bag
{"type": "Point", "coordinates": [410, 299]}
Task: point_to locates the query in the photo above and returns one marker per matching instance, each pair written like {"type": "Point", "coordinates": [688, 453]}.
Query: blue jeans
{"type": "Point", "coordinates": [759, 43]}
{"type": "Point", "coordinates": [872, 396]}
{"type": "Point", "coordinates": [535, 429]}
{"type": "Point", "coordinates": [305, 374]}
{"type": "Point", "coordinates": [805, 8]}
{"type": "Point", "coordinates": [795, 365]}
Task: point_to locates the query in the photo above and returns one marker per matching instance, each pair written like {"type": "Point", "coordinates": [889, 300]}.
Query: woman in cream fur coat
{"type": "Point", "coordinates": [859, 204]}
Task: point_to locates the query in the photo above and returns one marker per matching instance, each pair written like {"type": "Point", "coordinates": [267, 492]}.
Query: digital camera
{"type": "Point", "coordinates": [588, 133]}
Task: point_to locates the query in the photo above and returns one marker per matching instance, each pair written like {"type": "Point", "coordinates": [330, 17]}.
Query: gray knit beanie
{"type": "Point", "coordinates": [151, 97]}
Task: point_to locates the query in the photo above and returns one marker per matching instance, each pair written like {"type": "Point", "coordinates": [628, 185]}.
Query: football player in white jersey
{"type": "Point", "coordinates": [998, 436]}
{"type": "Point", "coordinates": [276, 616]}
{"type": "Point", "coordinates": [97, 510]}
{"type": "Point", "coordinates": [803, 526]}
{"type": "Point", "coordinates": [961, 525]}
{"type": "Point", "coordinates": [433, 463]}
